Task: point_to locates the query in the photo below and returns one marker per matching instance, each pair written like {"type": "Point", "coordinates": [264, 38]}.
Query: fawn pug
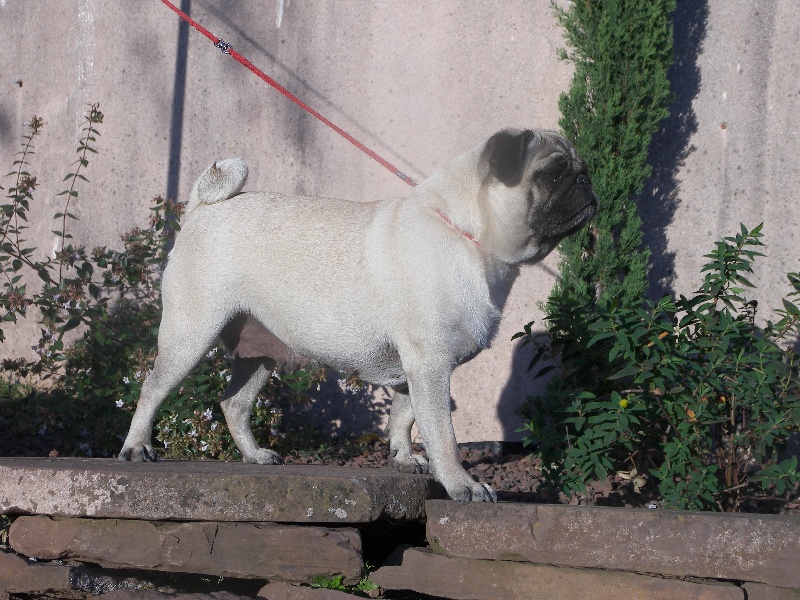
{"type": "Point", "coordinates": [398, 291]}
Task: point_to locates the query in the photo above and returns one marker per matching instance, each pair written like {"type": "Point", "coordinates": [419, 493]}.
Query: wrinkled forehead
{"type": "Point", "coordinates": [550, 150]}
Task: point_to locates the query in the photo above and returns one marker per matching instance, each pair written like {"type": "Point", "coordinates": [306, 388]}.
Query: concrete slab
{"type": "Point", "coordinates": [443, 576]}
{"type": "Point", "coordinates": [738, 547]}
{"type": "Point", "coordinates": [210, 491]}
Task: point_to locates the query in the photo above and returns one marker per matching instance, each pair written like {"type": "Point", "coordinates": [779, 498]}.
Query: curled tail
{"type": "Point", "coordinates": [220, 181]}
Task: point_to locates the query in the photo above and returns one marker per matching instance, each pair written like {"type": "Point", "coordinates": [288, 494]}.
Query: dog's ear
{"type": "Point", "coordinates": [505, 153]}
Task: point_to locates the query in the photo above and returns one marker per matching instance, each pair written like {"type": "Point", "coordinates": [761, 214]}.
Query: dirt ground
{"type": "Point", "coordinates": [516, 477]}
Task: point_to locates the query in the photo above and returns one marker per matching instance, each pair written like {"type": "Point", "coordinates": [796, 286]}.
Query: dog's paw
{"type": "Point", "coordinates": [139, 453]}
{"type": "Point", "coordinates": [474, 492]}
{"type": "Point", "coordinates": [411, 463]}
{"type": "Point", "coordinates": [263, 457]}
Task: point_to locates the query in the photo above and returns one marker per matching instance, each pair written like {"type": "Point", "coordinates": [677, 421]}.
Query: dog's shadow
{"type": "Point", "coordinates": [339, 411]}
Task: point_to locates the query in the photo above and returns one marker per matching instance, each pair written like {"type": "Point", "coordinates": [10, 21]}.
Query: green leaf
{"type": "Point", "coordinates": [600, 336]}
{"type": "Point", "coordinates": [626, 372]}
{"type": "Point", "coordinates": [72, 323]}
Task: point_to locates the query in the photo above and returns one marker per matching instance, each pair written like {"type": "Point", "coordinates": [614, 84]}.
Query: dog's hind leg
{"type": "Point", "coordinates": [401, 418]}
{"type": "Point", "coordinates": [183, 340]}
{"type": "Point", "coordinates": [248, 376]}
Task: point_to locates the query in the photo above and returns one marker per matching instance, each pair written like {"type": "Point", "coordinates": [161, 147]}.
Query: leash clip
{"type": "Point", "coordinates": [224, 46]}
{"type": "Point", "coordinates": [405, 178]}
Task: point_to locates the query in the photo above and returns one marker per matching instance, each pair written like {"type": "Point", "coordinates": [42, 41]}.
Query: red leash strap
{"type": "Point", "coordinates": [447, 220]}
{"type": "Point", "coordinates": [226, 48]}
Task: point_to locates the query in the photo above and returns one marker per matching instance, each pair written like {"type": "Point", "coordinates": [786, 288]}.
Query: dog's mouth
{"type": "Point", "coordinates": [576, 203]}
{"type": "Point", "coordinates": [572, 214]}
{"type": "Point", "coordinates": [580, 217]}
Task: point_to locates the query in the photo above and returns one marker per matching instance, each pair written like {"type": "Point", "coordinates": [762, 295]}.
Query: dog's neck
{"type": "Point", "coordinates": [467, 235]}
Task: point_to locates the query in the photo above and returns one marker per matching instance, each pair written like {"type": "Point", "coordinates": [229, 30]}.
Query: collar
{"type": "Point", "coordinates": [447, 220]}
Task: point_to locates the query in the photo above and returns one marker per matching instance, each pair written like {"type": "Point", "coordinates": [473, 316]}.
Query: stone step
{"type": "Point", "coordinates": [423, 571]}
{"type": "Point", "coordinates": [35, 579]}
{"type": "Point", "coordinates": [211, 491]}
{"type": "Point", "coordinates": [272, 551]}
{"type": "Point", "coordinates": [738, 547]}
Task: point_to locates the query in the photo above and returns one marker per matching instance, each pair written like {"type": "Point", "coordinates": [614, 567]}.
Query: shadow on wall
{"type": "Point", "coordinates": [671, 145]}
{"type": "Point", "coordinates": [519, 387]}
{"type": "Point", "coordinates": [5, 127]}
{"type": "Point", "coordinates": [521, 384]}
{"type": "Point", "coordinates": [178, 105]}
{"type": "Point", "coordinates": [659, 199]}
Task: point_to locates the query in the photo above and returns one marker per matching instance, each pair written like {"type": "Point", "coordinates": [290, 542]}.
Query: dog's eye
{"type": "Point", "coordinates": [550, 177]}
{"type": "Point", "coordinates": [553, 170]}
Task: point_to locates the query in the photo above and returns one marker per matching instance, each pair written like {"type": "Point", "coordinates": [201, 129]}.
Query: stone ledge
{"type": "Point", "coordinates": [148, 595]}
{"type": "Point", "coordinates": [18, 575]}
{"type": "Point", "coordinates": [210, 491]}
{"type": "Point", "coordinates": [759, 591]}
{"type": "Point", "coordinates": [240, 550]}
{"type": "Point", "coordinates": [739, 547]}
{"type": "Point", "coordinates": [462, 578]}
{"type": "Point", "coordinates": [272, 591]}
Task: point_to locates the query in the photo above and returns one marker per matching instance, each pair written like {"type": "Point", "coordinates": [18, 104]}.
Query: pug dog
{"type": "Point", "coordinates": [397, 291]}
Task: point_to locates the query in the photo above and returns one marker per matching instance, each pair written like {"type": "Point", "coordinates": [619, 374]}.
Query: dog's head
{"type": "Point", "coordinates": [538, 191]}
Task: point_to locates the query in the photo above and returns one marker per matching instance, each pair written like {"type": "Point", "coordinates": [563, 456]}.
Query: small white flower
{"type": "Point", "coordinates": [120, 403]}
{"type": "Point", "coordinates": [208, 415]}
{"type": "Point", "coordinates": [125, 380]}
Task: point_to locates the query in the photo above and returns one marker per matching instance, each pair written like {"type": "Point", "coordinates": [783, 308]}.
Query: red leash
{"type": "Point", "coordinates": [226, 48]}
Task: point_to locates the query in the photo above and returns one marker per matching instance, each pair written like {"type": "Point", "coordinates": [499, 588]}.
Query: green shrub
{"type": "Point", "coordinates": [689, 392]}
{"type": "Point", "coordinates": [113, 296]}
{"type": "Point", "coordinates": [622, 50]}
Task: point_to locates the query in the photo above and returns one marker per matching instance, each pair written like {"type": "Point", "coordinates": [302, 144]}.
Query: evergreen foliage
{"type": "Point", "coordinates": [621, 50]}
{"type": "Point", "coordinates": [686, 399]}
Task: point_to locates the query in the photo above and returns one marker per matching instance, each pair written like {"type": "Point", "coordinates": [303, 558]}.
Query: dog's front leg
{"type": "Point", "coordinates": [429, 389]}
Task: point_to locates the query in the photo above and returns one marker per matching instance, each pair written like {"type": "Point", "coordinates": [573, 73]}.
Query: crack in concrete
{"type": "Point", "coordinates": [214, 539]}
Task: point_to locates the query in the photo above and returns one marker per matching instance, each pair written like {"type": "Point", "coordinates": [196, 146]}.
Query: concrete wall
{"type": "Point", "coordinates": [419, 83]}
